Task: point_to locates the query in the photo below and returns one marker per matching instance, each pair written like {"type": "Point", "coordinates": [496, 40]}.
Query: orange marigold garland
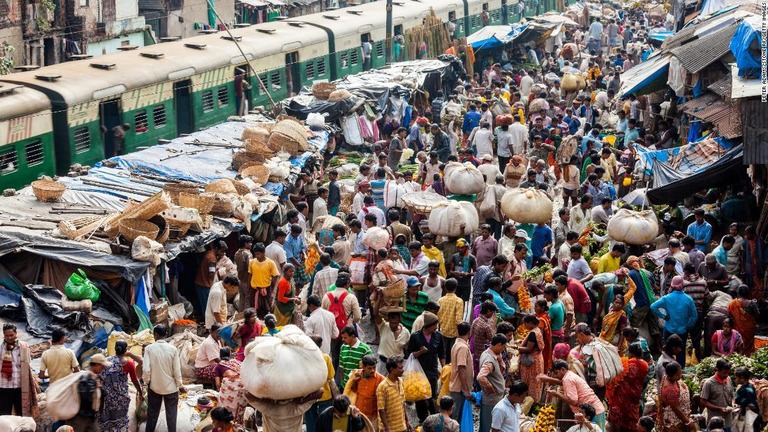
{"type": "Point", "coordinates": [524, 298]}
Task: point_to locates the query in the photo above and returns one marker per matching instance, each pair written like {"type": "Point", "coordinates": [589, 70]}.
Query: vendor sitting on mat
{"type": "Point", "coordinates": [208, 355]}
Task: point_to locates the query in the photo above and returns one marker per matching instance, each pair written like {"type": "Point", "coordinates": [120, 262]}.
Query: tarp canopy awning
{"type": "Point", "coordinates": [686, 159]}
{"type": "Point", "coordinates": [671, 186]}
{"type": "Point", "coordinates": [745, 46]}
{"type": "Point", "coordinates": [660, 36]}
{"type": "Point", "coordinates": [643, 77]}
{"type": "Point", "coordinates": [491, 37]}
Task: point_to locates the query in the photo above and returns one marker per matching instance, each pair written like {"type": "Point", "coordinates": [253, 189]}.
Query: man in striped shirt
{"type": "Point", "coordinates": [696, 287]}
{"type": "Point", "coordinates": [352, 352]}
{"type": "Point", "coordinates": [390, 398]}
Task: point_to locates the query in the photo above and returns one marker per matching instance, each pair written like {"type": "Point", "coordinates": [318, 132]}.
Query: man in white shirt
{"type": "Point", "coordinates": [603, 99]}
{"type": "Point", "coordinates": [526, 84]}
{"type": "Point", "coordinates": [320, 322]}
{"type": "Point", "coordinates": [602, 213]}
{"type": "Point", "coordinates": [216, 309]}
{"type": "Point", "coordinates": [363, 190]}
{"type": "Point", "coordinates": [505, 416]}
{"type": "Point", "coordinates": [370, 208]}
{"type": "Point", "coordinates": [581, 214]}
{"type": "Point", "coordinates": [596, 34]}
{"type": "Point", "coordinates": [483, 139]}
{"type": "Point", "coordinates": [320, 206]}
{"type": "Point", "coordinates": [564, 251]}
{"type": "Point", "coordinates": [489, 170]}
{"type": "Point", "coordinates": [275, 251]}
{"type": "Point", "coordinates": [519, 137]}
{"type": "Point", "coordinates": [162, 374]}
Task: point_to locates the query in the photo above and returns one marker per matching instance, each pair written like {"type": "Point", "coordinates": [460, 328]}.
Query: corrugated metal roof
{"type": "Point", "coordinates": [679, 38]}
{"type": "Point", "coordinates": [700, 53]}
{"type": "Point", "coordinates": [722, 87]}
{"type": "Point", "coordinates": [699, 103]}
{"type": "Point", "coordinates": [755, 121]}
{"type": "Point", "coordinates": [744, 87]}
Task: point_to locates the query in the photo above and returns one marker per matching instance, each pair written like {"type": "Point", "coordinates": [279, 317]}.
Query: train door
{"type": "Point", "coordinates": [242, 89]}
{"type": "Point", "coordinates": [292, 73]}
{"type": "Point", "coordinates": [504, 12]}
{"type": "Point", "coordinates": [183, 108]}
{"type": "Point", "coordinates": [109, 116]}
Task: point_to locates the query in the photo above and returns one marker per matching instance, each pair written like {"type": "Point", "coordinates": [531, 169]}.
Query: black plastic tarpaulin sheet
{"type": "Point", "coordinates": [671, 186]}
{"type": "Point", "coordinates": [40, 308]}
{"type": "Point", "coordinates": [69, 252]}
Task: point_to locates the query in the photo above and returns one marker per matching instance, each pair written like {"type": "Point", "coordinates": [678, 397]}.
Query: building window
{"type": "Point", "coordinates": [158, 116]}
{"type": "Point", "coordinates": [9, 160]}
{"type": "Point", "coordinates": [208, 101]}
{"type": "Point", "coordinates": [344, 60]}
{"type": "Point", "coordinates": [354, 56]}
{"type": "Point", "coordinates": [34, 153]}
{"type": "Point", "coordinates": [223, 96]}
{"type": "Point", "coordinates": [82, 139]}
{"type": "Point", "coordinates": [380, 48]}
{"type": "Point", "coordinates": [321, 67]}
{"type": "Point", "coordinates": [310, 70]}
{"type": "Point", "coordinates": [140, 120]}
{"type": "Point", "coordinates": [275, 81]}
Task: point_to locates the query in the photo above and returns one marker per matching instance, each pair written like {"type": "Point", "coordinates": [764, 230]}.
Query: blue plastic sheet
{"type": "Point", "coordinates": [467, 423]}
{"type": "Point", "coordinates": [747, 60]}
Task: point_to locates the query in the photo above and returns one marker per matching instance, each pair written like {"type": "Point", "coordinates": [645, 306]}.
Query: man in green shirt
{"type": "Point", "coordinates": [415, 302]}
{"type": "Point", "coordinates": [352, 352]}
{"type": "Point", "coordinates": [556, 314]}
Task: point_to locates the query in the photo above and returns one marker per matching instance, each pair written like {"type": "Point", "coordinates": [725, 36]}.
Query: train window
{"type": "Point", "coordinates": [380, 48]}
{"type": "Point", "coordinates": [310, 70]}
{"type": "Point", "coordinates": [140, 120]}
{"type": "Point", "coordinates": [321, 67]}
{"type": "Point", "coordinates": [82, 139]}
{"type": "Point", "coordinates": [264, 82]}
{"type": "Point", "coordinates": [223, 96]}
{"type": "Point", "coordinates": [9, 160]}
{"type": "Point", "coordinates": [208, 101]}
{"type": "Point", "coordinates": [158, 116]}
{"type": "Point", "coordinates": [451, 16]}
{"type": "Point", "coordinates": [274, 79]}
{"type": "Point", "coordinates": [354, 57]}
{"type": "Point", "coordinates": [344, 60]}
{"type": "Point", "coordinates": [34, 153]}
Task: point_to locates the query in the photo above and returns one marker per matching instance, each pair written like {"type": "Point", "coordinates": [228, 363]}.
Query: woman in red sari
{"type": "Point", "coordinates": [744, 313]}
{"type": "Point", "coordinates": [624, 398]}
{"type": "Point", "coordinates": [531, 358]}
{"type": "Point", "coordinates": [249, 330]}
{"type": "Point", "coordinates": [545, 324]}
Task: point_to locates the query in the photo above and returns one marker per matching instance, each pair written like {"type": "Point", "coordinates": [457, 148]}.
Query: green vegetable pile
{"type": "Point", "coordinates": [757, 364]}
{"type": "Point", "coordinates": [536, 272]}
{"type": "Point", "coordinates": [413, 168]}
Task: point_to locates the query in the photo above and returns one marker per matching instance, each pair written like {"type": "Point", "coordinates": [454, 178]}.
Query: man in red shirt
{"type": "Point", "coordinates": [582, 305]}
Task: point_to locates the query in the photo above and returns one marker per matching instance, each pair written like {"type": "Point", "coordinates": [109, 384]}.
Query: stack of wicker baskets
{"type": "Point", "coordinates": [131, 229]}
{"type": "Point", "coordinates": [323, 90]}
{"type": "Point", "coordinates": [258, 173]}
{"type": "Point", "coordinates": [202, 202]}
{"type": "Point", "coordinates": [289, 136]}
{"type": "Point", "coordinates": [174, 189]}
{"type": "Point", "coordinates": [46, 190]}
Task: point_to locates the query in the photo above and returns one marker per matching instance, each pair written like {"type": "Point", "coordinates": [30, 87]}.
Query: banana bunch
{"type": "Point", "coordinates": [416, 386]}
{"type": "Point", "coordinates": [545, 421]}
{"type": "Point", "coordinates": [524, 299]}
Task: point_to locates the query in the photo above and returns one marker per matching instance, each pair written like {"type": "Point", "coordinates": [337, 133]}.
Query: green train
{"type": "Point", "coordinates": [59, 115]}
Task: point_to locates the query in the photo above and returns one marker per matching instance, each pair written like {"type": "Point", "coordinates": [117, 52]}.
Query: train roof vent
{"type": "Point", "coordinates": [396, 3]}
{"type": "Point", "coordinates": [243, 25]}
{"type": "Point", "coordinates": [232, 38]}
{"type": "Point", "coordinates": [332, 17]}
{"type": "Point", "coordinates": [48, 77]}
{"type": "Point", "coordinates": [104, 66]}
{"type": "Point", "coordinates": [355, 12]}
{"type": "Point", "coordinates": [170, 38]}
{"type": "Point", "coordinates": [208, 31]}
{"type": "Point", "coordinates": [270, 31]}
{"type": "Point", "coordinates": [152, 55]}
{"type": "Point", "coordinates": [196, 46]}
{"type": "Point", "coordinates": [26, 68]}
{"type": "Point", "coordinates": [7, 89]}
{"type": "Point", "coordinates": [127, 47]}
{"type": "Point", "coordinates": [80, 56]}
{"type": "Point", "coordinates": [295, 23]}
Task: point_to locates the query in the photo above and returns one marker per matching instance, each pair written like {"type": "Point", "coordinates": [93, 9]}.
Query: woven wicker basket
{"type": "Point", "coordinates": [163, 228]}
{"type": "Point", "coordinates": [131, 229]}
{"type": "Point", "coordinates": [48, 190]}
{"type": "Point", "coordinates": [254, 133]}
{"type": "Point", "coordinates": [177, 228]}
{"type": "Point", "coordinates": [260, 148]}
{"type": "Point", "coordinates": [202, 202]}
{"type": "Point", "coordinates": [242, 189]}
{"type": "Point", "coordinates": [395, 289]}
{"type": "Point", "coordinates": [221, 186]}
{"type": "Point", "coordinates": [241, 159]}
{"type": "Point", "coordinates": [173, 190]}
{"type": "Point", "coordinates": [257, 173]}
{"type": "Point", "coordinates": [222, 205]}
{"type": "Point", "coordinates": [323, 90]}
{"type": "Point", "coordinates": [291, 144]}
{"type": "Point", "coordinates": [339, 95]}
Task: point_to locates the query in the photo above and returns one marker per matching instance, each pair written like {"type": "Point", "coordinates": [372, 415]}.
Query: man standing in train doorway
{"type": "Point", "coordinates": [367, 48]}
{"type": "Point", "coordinates": [119, 138]}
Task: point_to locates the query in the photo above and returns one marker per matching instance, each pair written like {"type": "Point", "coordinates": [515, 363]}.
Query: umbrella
{"type": "Point", "coordinates": [636, 197]}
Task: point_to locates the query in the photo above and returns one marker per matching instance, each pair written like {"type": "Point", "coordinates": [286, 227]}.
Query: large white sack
{"type": "Point", "coordinates": [62, 397]}
{"type": "Point", "coordinates": [393, 194]}
{"type": "Point", "coordinates": [286, 366]}
{"type": "Point", "coordinates": [527, 206]}
{"type": "Point", "coordinates": [376, 238]}
{"type": "Point", "coordinates": [10, 423]}
{"type": "Point", "coordinates": [463, 178]}
{"type": "Point", "coordinates": [633, 227]}
{"type": "Point", "coordinates": [446, 218]}
{"type": "Point", "coordinates": [186, 418]}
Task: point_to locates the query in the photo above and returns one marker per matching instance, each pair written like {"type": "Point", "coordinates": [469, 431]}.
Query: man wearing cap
{"type": "Point", "coordinates": [489, 169]}
{"type": "Point", "coordinates": [678, 311]}
{"type": "Point", "coordinates": [90, 396]}
{"type": "Point", "coordinates": [463, 266]}
{"type": "Point", "coordinates": [428, 347]}
{"type": "Point", "coordinates": [415, 302]}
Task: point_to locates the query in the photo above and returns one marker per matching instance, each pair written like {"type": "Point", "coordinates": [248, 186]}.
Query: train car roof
{"type": "Point", "coordinates": [111, 75]}
{"type": "Point", "coordinates": [17, 100]}
{"type": "Point", "coordinates": [360, 18]}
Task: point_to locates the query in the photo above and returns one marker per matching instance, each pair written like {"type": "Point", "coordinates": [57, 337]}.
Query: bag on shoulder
{"type": "Point", "coordinates": [337, 309]}
{"type": "Point", "coordinates": [63, 397]}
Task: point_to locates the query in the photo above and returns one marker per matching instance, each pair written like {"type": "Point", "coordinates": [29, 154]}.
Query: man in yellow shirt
{"type": "Point", "coordinates": [264, 277]}
{"type": "Point", "coordinates": [450, 314]}
{"type": "Point", "coordinates": [611, 261]}
{"type": "Point", "coordinates": [390, 398]}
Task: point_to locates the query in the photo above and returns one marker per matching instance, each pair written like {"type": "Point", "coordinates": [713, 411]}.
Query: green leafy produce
{"type": "Point", "coordinates": [536, 272]}
{"type": "Point", "coordinates": [692, 382]}
{"type": "Point", "coordinates": [760, 363]}
{"type": "Point", "coordinates": [706, 368]}
{"type": "Point", "coordinates": [414, 168]}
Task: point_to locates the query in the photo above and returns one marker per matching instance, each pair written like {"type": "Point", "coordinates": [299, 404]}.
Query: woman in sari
{"type": "Point", "coordinates": [515, 270]}
{"type": "Point", "coordinates": [753, 261]}
{"type": "Point", "coordinates": [614, 323]}
{"type": "Point", "coordinates": [726, 341]}
{"type": "Point", "coordinates": [545, 324]}
{"type": "Point", "coordinates": [286, 297]}
{"type": "Point", "coordinates": [113, 415]}
{"type": "Point", "coordinates": [531, 358]}
{"type": "Point", "coordinates": [743, 312]}
{"type": "Point", "coordinates": [248, 331]}
{"type": "Point", "coordinates": [674, 409]}
{"type": "Point", "coordinates": [624, 398]}
{"type": "Point", "coordinates": [229, 385]}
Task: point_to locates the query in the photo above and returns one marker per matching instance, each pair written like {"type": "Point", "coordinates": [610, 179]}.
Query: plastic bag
{"type": "Point", "coordinates": [357, 270]}
{"type": "Point", "coordinates": [63, 399]}
{"type": "Point", "coordinates": [79, 287]}
{"type": "Point", "coordinates": [467, 423]}
{"type": "Point", "coordinates": [415, 382]}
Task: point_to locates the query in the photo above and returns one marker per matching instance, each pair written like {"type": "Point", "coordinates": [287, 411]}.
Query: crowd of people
{"type": "Point", "coordinates": [511, 312]}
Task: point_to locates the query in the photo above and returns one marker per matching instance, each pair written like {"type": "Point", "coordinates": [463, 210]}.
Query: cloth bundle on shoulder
{"type": "Point", "coordinates": [447, 217]}
{"type": "Point", "coordinates": [463, 178]}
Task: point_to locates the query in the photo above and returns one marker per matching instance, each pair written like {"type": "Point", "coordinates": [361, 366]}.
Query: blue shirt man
{"type": "Point", "coordinates": [632, 133]}
{"type": "Point", "coordinates": [542, 237]}
{"type": "Point", "coordinates": [471, 120]}
{"type": "Point", "coordinates": [679, 313]}
{"type": "Point", "coordinates": [701, 231]}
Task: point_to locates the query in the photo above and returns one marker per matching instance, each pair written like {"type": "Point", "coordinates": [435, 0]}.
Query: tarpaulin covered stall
{"type": "Point", "coordinates": [645, 77]}
{"type": "Point", "coordinates": [493, 36]}
{"type": "Point", "coordinates": [745, 46]}
{"type": "Point", "coordinates": [686, 159]}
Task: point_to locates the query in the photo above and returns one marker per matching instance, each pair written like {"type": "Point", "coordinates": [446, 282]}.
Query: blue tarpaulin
{"type": "Point", "coordinates": [644, 74]}
{"type": "Point", "coordinates": [686, 159]}
{"type": "Point", "coordinates": [660, 36]}
{"type": "Point", "coordinates": [745, 47]}
{"type": "Point", "coordinates": [494, 36]}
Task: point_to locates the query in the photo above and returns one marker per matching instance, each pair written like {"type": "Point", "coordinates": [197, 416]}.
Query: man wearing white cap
{"type": "Point", "coordinates": [489, 169]}
{"type": "Point", "coordinates": [89, 388]}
